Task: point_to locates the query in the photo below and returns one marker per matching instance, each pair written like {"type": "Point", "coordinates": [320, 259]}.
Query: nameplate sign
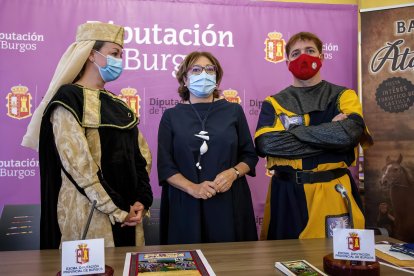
{"type": "Point", "coordinates": [83, 257]}
{"type": "Point", "coordinates": [354, 244]}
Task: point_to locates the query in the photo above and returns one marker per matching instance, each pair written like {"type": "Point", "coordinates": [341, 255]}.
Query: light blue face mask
{"type": "Point", "coordinates": [112, 70]}
{"type": "Point", "coordinates": [202, 85]}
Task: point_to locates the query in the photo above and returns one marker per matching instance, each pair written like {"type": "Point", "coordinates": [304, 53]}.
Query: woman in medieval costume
{"type": "Point", "coordinates": [90, 148]}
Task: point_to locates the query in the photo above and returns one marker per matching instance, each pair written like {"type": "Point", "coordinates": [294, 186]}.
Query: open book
{"type": "Point", "coordinates": [298, 267]}
{"type": "Point", "coordinates": [184, 263]}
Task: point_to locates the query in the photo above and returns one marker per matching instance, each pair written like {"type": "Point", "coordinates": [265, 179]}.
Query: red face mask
{"type": "Point", "coordinates": [305, 66]}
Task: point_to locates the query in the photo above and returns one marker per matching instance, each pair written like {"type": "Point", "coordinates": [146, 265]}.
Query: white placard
{"type": "Point", "coordinates": [354, 244]}
{"type": "Point", "coordinates": [83, 257]}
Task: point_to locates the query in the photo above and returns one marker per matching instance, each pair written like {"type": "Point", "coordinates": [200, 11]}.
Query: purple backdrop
{"type": "Point", "coordinates": [34, 34]}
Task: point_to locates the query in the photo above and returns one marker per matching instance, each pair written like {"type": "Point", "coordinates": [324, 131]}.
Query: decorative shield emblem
{"type": "Point", "coordinates": [275, 47]}
{"type": "Point", "coordinates": [231, 96]}
{"type": "Point", "coordinates": [19, 102]}
{"type": "Point", "coordinates": [82, 254]}
{"type": "Point", "coordinates": [128, 95]}
{"type": "Point", "coordinates": [354, 242]}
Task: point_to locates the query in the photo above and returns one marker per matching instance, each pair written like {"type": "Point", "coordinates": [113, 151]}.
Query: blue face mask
{"type": "Point", "coordinates": [112, 70]}
{"type": "Point", "coordinates": [202, 85]}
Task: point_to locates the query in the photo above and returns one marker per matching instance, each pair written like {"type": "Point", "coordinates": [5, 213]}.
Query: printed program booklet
{"type": "Point", "coordinates": [298, 267]}
{"type": "Point", "coordinates": [191, 262]}
{"type": "Point", "coordinates": [393, 259]}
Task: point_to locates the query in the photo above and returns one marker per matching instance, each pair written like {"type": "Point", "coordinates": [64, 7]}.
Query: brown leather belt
{"type": "Point", "coordinates": [309, 177]}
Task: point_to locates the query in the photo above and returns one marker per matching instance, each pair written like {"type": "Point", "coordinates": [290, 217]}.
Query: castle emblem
{"type": "Point", "coordinates": [231, 96]}
{"type": "Point", "coordinates": [354, 242]}
{"type": "Point", "coordinates": [128, 95]}
{"type": "Point", "coordinates": [19, 102]}
{"type": "Point", "coordinates": [82, 253]}
{"type": "Point", "coordinates": [275, 47]}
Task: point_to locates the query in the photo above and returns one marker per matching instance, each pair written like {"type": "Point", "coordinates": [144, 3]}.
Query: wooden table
{"type": "Point", "coordinates": [242, 258]}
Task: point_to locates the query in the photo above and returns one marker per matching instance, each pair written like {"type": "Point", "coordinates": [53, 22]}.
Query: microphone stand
{"type": "Point", "coordinates": [345, 267]}
{"type": "Point", "coordinates": [340, 189]}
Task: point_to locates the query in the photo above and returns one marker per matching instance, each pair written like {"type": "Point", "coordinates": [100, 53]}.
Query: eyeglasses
{"type": "Point", "coordinates": [197, 69]}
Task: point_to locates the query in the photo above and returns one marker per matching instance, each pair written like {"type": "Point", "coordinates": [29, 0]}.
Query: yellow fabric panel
{"type": "Point", "coordinates": [306, 119]}
{"type": "Point", "coordinates": [322, 199]}
{"type": "Point", "coordinates": [349, 103]}
{"type": "Point", "coordinates": [91, 108]}
{"type": "Point", "coordinates": [276, 161]}
{"type": "Point", "coordinates": [139, 233]}
{"type": "Point", "coordinates": [279, 109]}
{"type": "Point", "coordinates": [277, 124]}
{"type": "Point", "coordinates": [145, 151]}
{"type": "Point", "coordinates": [277, 127]}
{"type": "Point", "coordinates": [330, 166]}
{"type": "Point", "coordinates": [297, 164]}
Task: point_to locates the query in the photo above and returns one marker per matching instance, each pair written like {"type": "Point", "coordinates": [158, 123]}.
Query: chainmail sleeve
{"type": "Point", "coordinates": [272, 139]}
{"type": "Point", "coordinates": [284, 144]}
{"type": "Point", "coordinates": [340, 135]}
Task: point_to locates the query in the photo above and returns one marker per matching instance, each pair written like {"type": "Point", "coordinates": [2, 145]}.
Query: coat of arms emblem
{"type": "Point", "coordinates": [82, 253]}
{"type": "Point", "coordinates": [354, 242]}
{"type": "Point", "coordinates": [19, 102]}
{"type": "Point", "coordinates": [128, 95]}
{"type": "Point", "coordinates": [231, 96]}
{"type": "Point", "coordinates": [275, 47]}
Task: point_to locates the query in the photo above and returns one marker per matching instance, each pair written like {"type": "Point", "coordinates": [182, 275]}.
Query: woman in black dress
{"type": "Point", "coordinates": [204, 152]}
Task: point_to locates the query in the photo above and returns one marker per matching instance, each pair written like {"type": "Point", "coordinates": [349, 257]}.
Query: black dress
{"type": "Point", "coordinates": [226, 217]}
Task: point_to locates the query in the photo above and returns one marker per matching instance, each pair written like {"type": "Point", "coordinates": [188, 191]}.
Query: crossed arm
{"type": "Point", "coordinates": [342, 133]}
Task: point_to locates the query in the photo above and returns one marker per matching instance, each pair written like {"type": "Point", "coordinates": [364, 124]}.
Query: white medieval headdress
{"type": "Point", "coordinates": [69, 66]}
